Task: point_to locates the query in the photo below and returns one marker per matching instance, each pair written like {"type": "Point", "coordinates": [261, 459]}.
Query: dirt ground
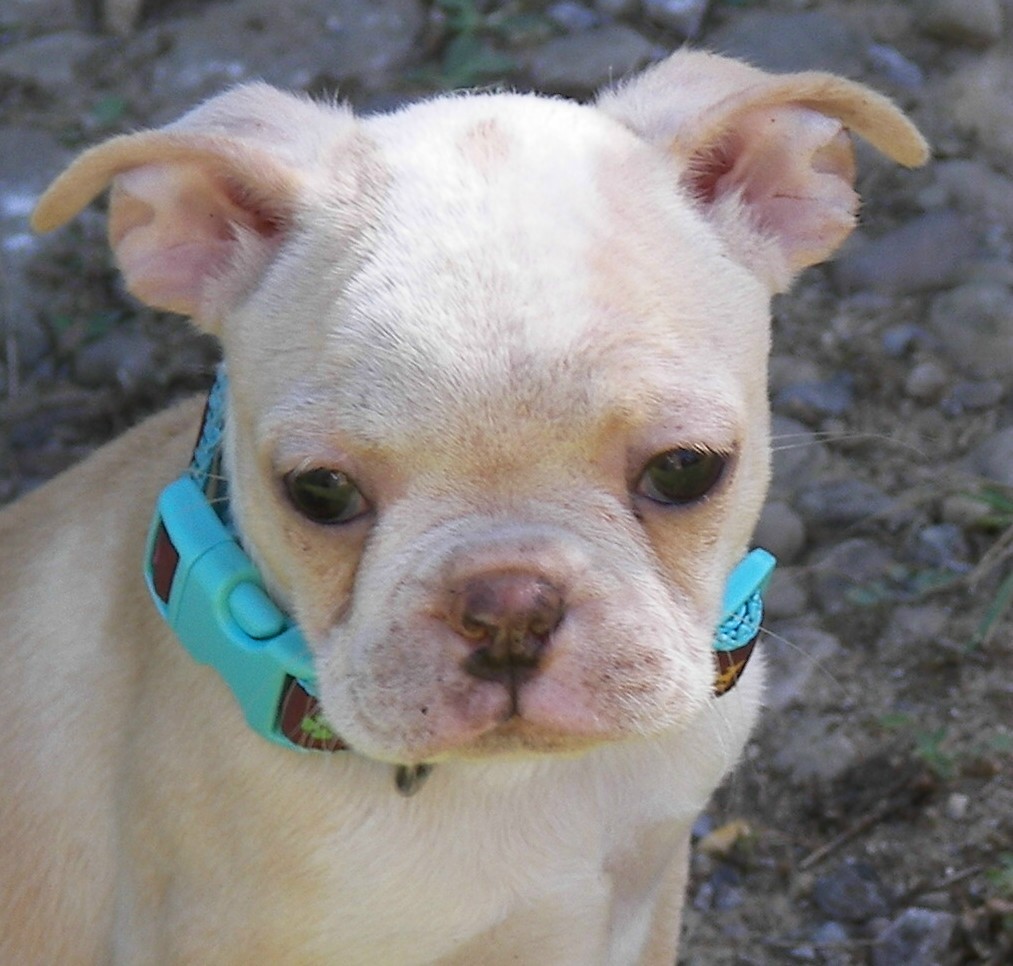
{"type": "Point", "coordinates": [872, 818]}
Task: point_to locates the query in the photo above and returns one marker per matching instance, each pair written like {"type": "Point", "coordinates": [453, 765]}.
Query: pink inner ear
{"type": "Point", "coordinates": [792, 169]}
{"type": "Point", "coordinates": [177, 228]}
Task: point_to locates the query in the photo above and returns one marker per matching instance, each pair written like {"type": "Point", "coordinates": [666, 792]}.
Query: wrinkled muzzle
{"type": "Point", "coordinates": [504, 636]}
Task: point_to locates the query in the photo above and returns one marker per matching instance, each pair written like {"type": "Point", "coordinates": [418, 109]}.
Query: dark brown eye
{"type": "Point", "coordinates": [324, 495]}
{"type": "Point", "coordinates": [680, 476]}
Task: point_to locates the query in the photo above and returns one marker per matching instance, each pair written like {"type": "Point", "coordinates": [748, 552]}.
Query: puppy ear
{"type": "Point", "coordinates": [198, 208]}
{"type": "Point", "coordinates": [767, 157]}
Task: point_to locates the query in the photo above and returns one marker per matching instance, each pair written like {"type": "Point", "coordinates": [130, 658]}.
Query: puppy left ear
{"type": "Point", "coordinates": [767, 157]}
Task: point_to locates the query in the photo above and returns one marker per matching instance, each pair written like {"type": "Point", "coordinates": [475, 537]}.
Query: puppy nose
{"type": "Point", "coordinates": [509, 616]}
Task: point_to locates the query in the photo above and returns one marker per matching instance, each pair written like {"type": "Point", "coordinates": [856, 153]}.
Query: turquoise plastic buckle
{"type": "Point", "coordinates": [212, 596]}
{"type": "Point", "coordinates": [743, 609]}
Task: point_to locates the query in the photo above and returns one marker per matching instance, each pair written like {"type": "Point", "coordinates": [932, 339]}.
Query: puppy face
{"type": "Point", "coordinates": [509, 361]}
{"type": "Point", "coordinates": [497, 429]}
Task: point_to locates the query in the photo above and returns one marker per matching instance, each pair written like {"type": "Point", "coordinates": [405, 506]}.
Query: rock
{"type": "Point", "coordinates": [956, 806]}
{"type": "Point", "coordinates": [29, 158]}
{"type": "Point", "coordinates": [781, 531]}
{"type": "Point", "coordinates": [812, 402]}
{"type": "Point", "coordinates": [895, 68]}
{"type": "Point", "coordinates": [976, 23]}
{"type": "Point", "coordinates": [804, 40]}
{"type": "Point", "coordinates": [965, 511]}
{"type": "Point", "coordinates": [976, 188]}
{"type": "Point", "coordinates": [942, 546]}
{"type": "Point", "coordinates": [927, 381]}
{"type": "Point", "coordinates": [799, 455]}
{"type": "Point", "coordinates": [571, 16]}
{"type": "Point", "coordinates": [685, 17]}
{"type": "Point", "coordinates": [796, 654]}
{"type": "Point", "coordinates": [917, 937]}
{"type": "Point", "coordinates": [50, 61]}
{"type": "Point", "coordinates": [979, 99]}
{"type": "Point", "coordinates": [969, 397]}
{"type": "Point", "coordinates": [616, 8]}
{"type": "Point", "coordinates": [787, 370]}
{"type": "Point", "coordinates": [786, 596]}
{"type": "Point", "coordinates": [847, 570]}
{"type": "Point", "coordinates": [810, 749]}
{"type": "Point", "coordinates": [289, 44]}
{"type": "Point", "coordinates": [899, 339]}
{"type": "Point", "coordinates": [993, 457]}
{"type": "Point", "coordinates": [925, 253]}
{"type": "Point", "coordinates": [975, 324]}
{"type": "Point", "coordinates": [914, 625]}
{"type": "Point", "coordinates": [123, 357]}
{"type": "Point", "coordinates": [852, 893]}
{"type": "Point", "coordinates": [840, 503]}
{"type": "Point", "coordinates": [578, 64]}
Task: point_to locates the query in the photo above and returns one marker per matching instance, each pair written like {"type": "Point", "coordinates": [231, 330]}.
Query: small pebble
{"type": "Point", "coordinates": [851, 893]}
{"type": "Point", "coordinates": [917, 937]}
{"type": "Point", "coordinates": [956, 806]}
{"type": "Point", "coordinates": [969, 397]}
{"type": "Point", "coordinates": [781, 531]}
{"type": "Point", "coordinates": [840, 503]}
{"type": "Point", "coordinates": [926, 382]}
{"type": "Point", "coordinates": [975, 23]}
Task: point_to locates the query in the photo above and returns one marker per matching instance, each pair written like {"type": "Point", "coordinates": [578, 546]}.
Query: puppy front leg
{"type": "Point", "coordinates": [666, 921]}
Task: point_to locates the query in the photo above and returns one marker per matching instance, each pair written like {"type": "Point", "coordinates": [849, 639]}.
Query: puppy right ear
{"type": "Point", "coordinates": [199, 208]}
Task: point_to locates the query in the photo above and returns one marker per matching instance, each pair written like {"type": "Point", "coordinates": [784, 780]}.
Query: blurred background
{"type": "Point", "coordinates": [872, 818]}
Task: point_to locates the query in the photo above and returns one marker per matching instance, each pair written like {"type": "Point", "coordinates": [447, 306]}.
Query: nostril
{"type": "Point", "coordinates": [510, 617]}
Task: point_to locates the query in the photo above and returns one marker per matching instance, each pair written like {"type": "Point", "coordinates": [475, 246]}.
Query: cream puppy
{"type": "Point", "coordinates": [495, 436]}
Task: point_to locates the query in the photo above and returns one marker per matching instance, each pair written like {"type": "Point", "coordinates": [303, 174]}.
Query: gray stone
{"type": "Point", "coordinates": [578, 64]}
{"type": "Point", "coordinates": [123, 357]}
{"type": "Point", "coordinates": [973, 396]}
{"type": "Point", "coordinates": [993, 457]}
{"type": "Point", "coordinates": [616, 8]}
{"type": "Point", "coordinates": [812, 748]}
{"type": "Point", "coordinates": [572, 16]}
{"type": "Point", "coordinates": [794, 656]}
{"type": "Point", "coordinates": [942, 546]}
{"type": "Point", "coordinates": [289, 44]}
{"type": "Point", "coordinates": [786, 596]}
{"type": "Point", "coordinates": [975, 324]}
{"type": "Point", "coordinates": [50, 61]}
{"type": "Point", "coordinates": [29, 158]}
{"type": "Point", "coordinates": [927, 381]}
{"type": "Point", "coordinates": [915, 625]}
{"type": "Point", "coordinates": [812, 402]}
{"type": "Point", "coordinates": [798, 455]}
{"type": "Point", "coordinates": [848, 571]}
{"type": "Point", "coordinates": [917, 937]}
{"type": "Point", "coordinates": [978, 189]}
{"type": "Point", "coordinates": [925, 253]}
{"type": "Point", "coordinates": [840, 503]}
{"type": "Point", "coordinates": [683, 16]}
{"type": "Point", "coordinates": [899, 339]}
{"type": "Point", "coordinates": [895, 68]}
{"type": "Point", "coordinates": [979, 99]}
{"type": "Point", "coordinates": [781, 531]}
{"type": "Point", "coordinates": [851, 893]}
{"type": "Point", "coordinates": [805, 40]}
{"type": "Point", "coordinates": [976, 23]}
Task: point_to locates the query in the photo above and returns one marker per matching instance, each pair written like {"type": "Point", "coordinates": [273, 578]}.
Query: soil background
{"type": "Point", "coordinates": [871, 820]}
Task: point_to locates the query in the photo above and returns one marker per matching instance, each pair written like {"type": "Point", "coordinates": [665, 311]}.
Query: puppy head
{"type": "Point", "coordinates": [498, 427]}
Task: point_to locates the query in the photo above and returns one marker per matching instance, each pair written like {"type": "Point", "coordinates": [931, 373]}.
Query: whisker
{"type": "Point", "coordinates": [817, 664]}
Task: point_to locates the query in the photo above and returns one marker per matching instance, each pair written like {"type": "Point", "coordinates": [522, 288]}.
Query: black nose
{"type": "Point", "coordinates": [509, 616]}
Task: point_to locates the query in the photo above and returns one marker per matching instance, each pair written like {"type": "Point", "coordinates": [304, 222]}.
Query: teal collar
{"type": "Point", "coordinates": [213, 597]}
